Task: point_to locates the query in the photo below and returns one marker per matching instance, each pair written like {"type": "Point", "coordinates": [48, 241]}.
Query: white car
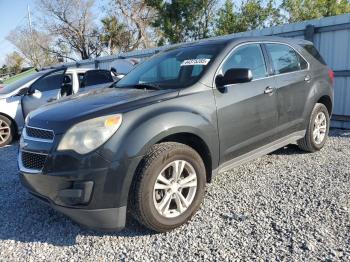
{"type": "Point", "coordinates": [31, 92]}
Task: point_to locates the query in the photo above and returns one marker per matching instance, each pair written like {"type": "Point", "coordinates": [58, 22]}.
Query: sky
{"type": "Point", "coordinates": [14, 13]}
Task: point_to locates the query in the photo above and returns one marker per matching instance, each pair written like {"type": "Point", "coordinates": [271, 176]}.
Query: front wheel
{"type": "Point", "coordinates": [169, 186]}
{"type": "Point", "coordinates": [317, 130]}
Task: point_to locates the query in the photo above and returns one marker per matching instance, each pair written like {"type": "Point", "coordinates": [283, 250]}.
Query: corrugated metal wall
{"type": "Point", "coordinates": [330, 35]}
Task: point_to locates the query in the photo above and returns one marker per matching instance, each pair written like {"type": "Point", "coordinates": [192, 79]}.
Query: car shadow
{"type": "Point", "coordinates": [291, 149]}
{"type": "Point", "coordinates": [37, 222]}
{"type": "Point", "coordinates": [25, 219]}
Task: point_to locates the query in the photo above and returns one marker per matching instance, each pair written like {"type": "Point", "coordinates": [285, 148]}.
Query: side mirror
{"type": "Point", "coordinates": [22, 91]}
{"type": "Point", "coordinates": [234, 76]}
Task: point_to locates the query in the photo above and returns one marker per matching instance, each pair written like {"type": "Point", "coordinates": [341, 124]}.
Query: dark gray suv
{"type": "Point", "coordinates": [150, 143]}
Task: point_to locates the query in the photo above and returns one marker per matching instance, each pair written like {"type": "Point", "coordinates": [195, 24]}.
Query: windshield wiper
{"type": "Point", "coordinates": [145, 86]}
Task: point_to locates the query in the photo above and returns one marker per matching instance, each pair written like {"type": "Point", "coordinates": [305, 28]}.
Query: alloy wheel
{"type": "Point", "coordinates": [5, 131]}
{"type": "Point", "coordinates": [320, 128]}
{"type": "Point", "coordinates": [175, 188]}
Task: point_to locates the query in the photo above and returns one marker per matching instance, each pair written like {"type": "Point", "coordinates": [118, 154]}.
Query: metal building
{"type": "Point", "coordinates": [331, 36]}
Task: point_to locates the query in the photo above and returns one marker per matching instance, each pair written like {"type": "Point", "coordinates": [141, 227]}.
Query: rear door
{"type": "Point", "coordinates": [292, 81]}
{"type": "Point", "coordinates": [44, 90]}
{"type": "Point", "coordinates": [96, 79]}
{"type": "Point", "coordinates": [247, 112]}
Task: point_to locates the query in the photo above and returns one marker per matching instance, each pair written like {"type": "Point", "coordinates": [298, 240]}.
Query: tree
{"type": "Point", "coordinates": [183, 20]}
{"type": "Point", "coordinates": [300, 10]}
{"type": "Point", "coordinates": [33, 46]}
{"type": "Point", "coordinates": [72, 25]}
{"type": "Point", "coordinates": [252, 14]}
{"type": "Point", "coordinates": [14, 62]}
{"type": "Point", "coordinates": [255, 15]}
{"type": "Point", "coordinates": [115, 35]}
{"type": "Point", "coordinates": [227, 21]}
{"type": "Point", "coordinates": [137, 16]}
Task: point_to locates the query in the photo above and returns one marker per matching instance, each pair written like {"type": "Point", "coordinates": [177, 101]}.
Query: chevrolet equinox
{"type": "Point", "coordinates": [149, 144]}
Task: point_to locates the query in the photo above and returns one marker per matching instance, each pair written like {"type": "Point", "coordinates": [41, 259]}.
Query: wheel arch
{"type": "Point", "coordinates": [327, 102]}
{"type": "Point", "coordinates": [198, 144]}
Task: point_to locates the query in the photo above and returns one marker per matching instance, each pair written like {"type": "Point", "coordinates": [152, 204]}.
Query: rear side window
{"type": "Point", "coordinates": [311, 49]}
{"type": "Point", "coordinates": [285, 59]}
{"type": "Point", "coordinates": [97, 77]}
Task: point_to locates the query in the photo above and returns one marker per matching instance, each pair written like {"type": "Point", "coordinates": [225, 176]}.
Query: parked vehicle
{"type": "Point", "coordinates": [151, 144]}
{"type": "Point", "coordinates": [122, 67]}
{"type": "Point", "coordinates": [23, 96]}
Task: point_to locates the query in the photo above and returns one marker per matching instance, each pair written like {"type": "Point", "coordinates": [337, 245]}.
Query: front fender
{"type": "Point", "coordinates": [137, 138]}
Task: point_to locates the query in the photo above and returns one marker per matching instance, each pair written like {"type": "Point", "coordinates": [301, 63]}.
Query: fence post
{"type": "Point", "coordinates": [96, 63]}
{"type": "Point", "coordinates": [309, 33]}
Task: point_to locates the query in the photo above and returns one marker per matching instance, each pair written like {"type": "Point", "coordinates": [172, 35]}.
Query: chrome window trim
{"type": "Point", "coordinates": [28, 170]}
{"type": "Point", "coordinates": [25, 135]}
{"type": "Point", "coordinates": [262, 78]}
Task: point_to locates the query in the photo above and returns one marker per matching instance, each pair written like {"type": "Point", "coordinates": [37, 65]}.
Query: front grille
{"type": "Point", "coordinates": [39, 133]}
{"type": "Point", "coordinates": [33, 160]}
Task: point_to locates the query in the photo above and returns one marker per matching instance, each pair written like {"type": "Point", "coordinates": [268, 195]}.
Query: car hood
{"type": "Point", "coordinates": [62, 114]}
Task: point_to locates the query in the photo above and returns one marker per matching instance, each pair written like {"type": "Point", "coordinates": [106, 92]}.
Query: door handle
{"type": "Point", "coordinates": [268, 90]}
{"type": "Point", "coordinates": [307, 78]}
{"type": "Point", "coordinates": [51, 100]}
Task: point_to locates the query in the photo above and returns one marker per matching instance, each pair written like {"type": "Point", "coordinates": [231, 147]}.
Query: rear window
{"type": "Point", "coordinates": [311, 49]}
{"type": "Point", "coordinates": [285, 59]}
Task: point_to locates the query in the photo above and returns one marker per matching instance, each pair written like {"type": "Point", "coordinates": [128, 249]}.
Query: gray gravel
{"type": "Point", "coordinates": [287, 205]}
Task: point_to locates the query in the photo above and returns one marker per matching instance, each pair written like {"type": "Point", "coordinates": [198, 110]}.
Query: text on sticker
{"type": "Point", "coordinates": [190, 62]}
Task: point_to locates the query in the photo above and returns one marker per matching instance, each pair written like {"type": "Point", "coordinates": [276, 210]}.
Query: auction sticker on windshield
{"type": "Point", "coordinates": [190, 62]}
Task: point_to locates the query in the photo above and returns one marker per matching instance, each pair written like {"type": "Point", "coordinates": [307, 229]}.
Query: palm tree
{"type": "Point", "coordinates": [114, 36]}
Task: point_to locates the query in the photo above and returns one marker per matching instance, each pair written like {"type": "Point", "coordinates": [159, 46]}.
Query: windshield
{"type": "Point", "coordinates": [177, 68]}
{"type": "Point", "coordinates": [17, 84]}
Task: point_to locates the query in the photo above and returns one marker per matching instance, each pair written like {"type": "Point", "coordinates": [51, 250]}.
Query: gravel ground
{"type": "Point", "coordinates": [285, 206]}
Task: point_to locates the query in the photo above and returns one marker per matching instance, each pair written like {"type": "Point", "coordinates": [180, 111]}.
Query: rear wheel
{"type": "Point", "coordinates": [6, 131]}
{"type": "Point", "coordinates": [317, 130]}
{"type": "Point", "coordinates": [169, 186]}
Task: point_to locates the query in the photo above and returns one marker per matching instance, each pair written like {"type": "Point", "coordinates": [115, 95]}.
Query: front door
{"type": "Point", "coordinates": [44, 90]}
{"type": "Point", "coordinates": [247, 112]}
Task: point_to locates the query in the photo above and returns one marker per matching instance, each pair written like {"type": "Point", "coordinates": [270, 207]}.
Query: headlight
{"type": "Point", "coordinates": [86, 136]}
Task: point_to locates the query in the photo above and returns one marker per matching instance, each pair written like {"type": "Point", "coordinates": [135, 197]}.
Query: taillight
{"type": "Point", "coordinates": [331, 75]}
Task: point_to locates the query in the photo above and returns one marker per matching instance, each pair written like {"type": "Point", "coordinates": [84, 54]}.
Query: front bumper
{"type": "Point", "coordinates": [76, 199]}
{"type": "Point", "coordinates": [89, 189]}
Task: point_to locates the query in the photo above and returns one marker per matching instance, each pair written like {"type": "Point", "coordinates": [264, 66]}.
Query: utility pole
{"type": "Point", "coordinates": [29, 20]}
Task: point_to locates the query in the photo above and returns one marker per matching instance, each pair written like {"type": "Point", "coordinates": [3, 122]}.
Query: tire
{"type": "Point", "coordinates": [310, 143]}
{"type": "Point", "coordinates": [6, 131]}
{"type": "Point", "coordinates": [146, 200]}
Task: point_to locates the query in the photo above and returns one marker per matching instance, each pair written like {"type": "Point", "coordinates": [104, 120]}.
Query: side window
{"type": "Point", "coordinates": [97, 77]}
{"type": "Point", "coordinates": [285, 59]}
{"type": "Point", "coordinates": [247, 56]}
{"type": "Point", "coordinates": [311, 49]}
{"type": "Point", "coordinates": [52, 81]}
{"type": "Point", "coordinates": [68, 79]}
{"type": "Point", "coordinates": [81, 79]}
